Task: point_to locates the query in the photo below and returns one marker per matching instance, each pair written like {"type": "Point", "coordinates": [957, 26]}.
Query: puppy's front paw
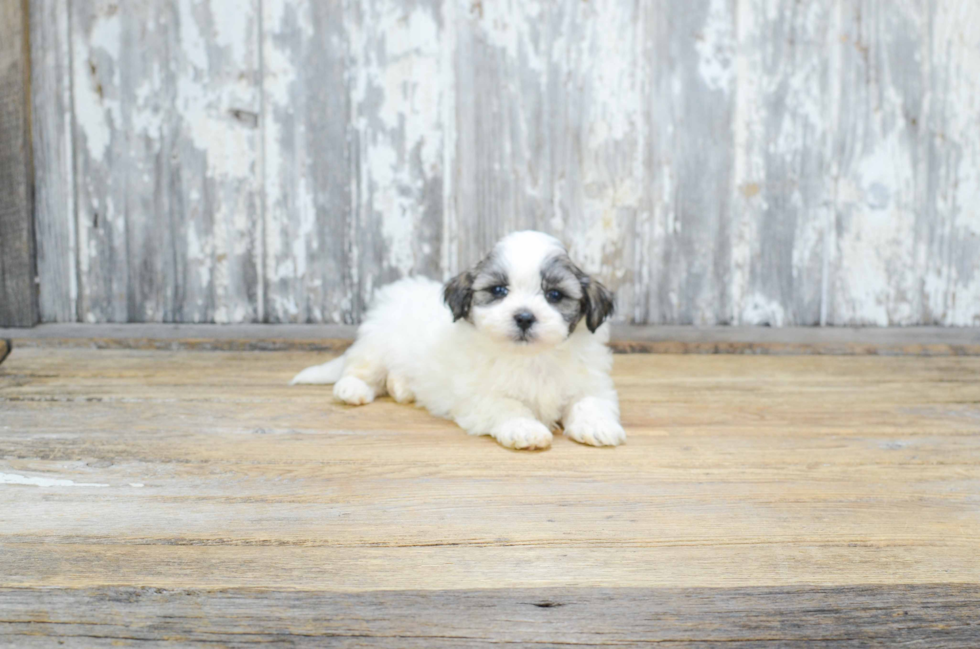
{"type": "Point", "coordinates": [523, 433]}
{"type": "Point", "coordinates": [353, 390]}
{"type": "Point", "coordinates": [595, 428]}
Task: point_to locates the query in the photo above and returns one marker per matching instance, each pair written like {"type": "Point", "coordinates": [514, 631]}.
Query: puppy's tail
{"type": "Point", "coordinates": [325, 374]}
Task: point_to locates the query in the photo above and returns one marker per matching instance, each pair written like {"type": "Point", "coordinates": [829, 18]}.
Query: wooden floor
{"type": "Point", "coordinates": [152, 496]}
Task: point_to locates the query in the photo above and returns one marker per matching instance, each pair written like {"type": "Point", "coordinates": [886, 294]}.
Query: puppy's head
{"type": "Point", "coordinates": [528, 292]}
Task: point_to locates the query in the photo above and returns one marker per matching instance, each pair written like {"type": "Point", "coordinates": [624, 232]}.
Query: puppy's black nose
{"type": "Point", "coordinates": [524, 319]}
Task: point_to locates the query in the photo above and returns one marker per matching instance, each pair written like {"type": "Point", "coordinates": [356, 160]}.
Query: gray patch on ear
{"type": "Point", "coordinates": [584, 295]}
{"type": "Point", "coordinates": [472, 287]}
{"type": "Point", "coordinates": [598, 301]}
{"type": "Point", "coordinates": [559, 273]}
{"type": "Point", "coordinates": [458, 295]}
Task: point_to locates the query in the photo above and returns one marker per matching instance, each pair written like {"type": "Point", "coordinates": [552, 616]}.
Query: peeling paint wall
{"type": "Point", "coordinates": [715, 161]}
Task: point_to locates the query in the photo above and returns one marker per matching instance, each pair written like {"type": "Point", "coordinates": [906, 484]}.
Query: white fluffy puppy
{"type": "Point", "coordinates": [507, 358]}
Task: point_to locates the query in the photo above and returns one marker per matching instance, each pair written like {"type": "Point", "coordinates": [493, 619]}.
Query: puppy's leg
{"type": "Point", "coordinates": [594, 420]}
{"type": "Point", "coordinates": [399, 389]}
{"type": "Point", "coordinates": [364, 376]}
{"type": "Point", "coordinates": [508, 421]}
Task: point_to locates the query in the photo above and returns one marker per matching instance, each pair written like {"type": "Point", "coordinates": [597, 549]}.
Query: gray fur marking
{"type": "Point", "coordinates": [559, 273]}
{"type": "Point", "coordinates": [472, 287]}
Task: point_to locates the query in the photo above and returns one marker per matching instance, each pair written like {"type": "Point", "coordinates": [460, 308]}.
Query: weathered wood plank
{"type": "Point", "coordinates": [876, 265]}
{"type": "Point", "coordinates": [114, 50]}
{"type": "Point", "coordinates": [949, 166]}
{"type": "Point", "coordinates": [18, 291]}
{"type": "Point", "coordinates": [685, 242]}
{"type": "Point", "coordinates": [904, 341]}
{"type": "Point", "coordinates": [189, 470]}
{"type": "Point", "coordinates": [783, 186]}
{"type": "Point", "coordinates": [400, 79]}
{"type": "Point", "coordinates": [504, 178]}
{"type": "Point", "coordinates": [166, 106]}
{"type": "Point", "coordinates": [307, 162]}
{"type": "Point", "coordinates": [216, 218]}
{"type": "Point", "coordinates": [54, 172]}
{"type": "Point", "coordinates": [898, 616]}
{"type": "Point", "coordinates": [122, 92]}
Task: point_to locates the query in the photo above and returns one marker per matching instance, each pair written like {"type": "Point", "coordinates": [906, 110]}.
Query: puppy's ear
{"type": "Point", "coordinates": [458, 295]}
{"type": "Point", "coordinates": [597, 302]}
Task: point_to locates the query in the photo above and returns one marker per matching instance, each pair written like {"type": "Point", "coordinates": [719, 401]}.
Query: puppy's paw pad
{"type": "Point", "coordinates": [353, 391]}
{"type": "Point", "coordinates": [523, 434]}
{"type": "Point", "coordinates": [399, 390]}
{"type": "Point", "coordinates": [596, 431]}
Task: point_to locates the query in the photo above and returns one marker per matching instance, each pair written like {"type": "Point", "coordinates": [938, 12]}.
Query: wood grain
{"type": "Point", "coordinates": [54, 170]}
{"type": "Point", "coordinates": [685, 252]}
{"type": "Point", "coordinates": [760, 499]}
{"type": "Point", "coordinates": [947, 191]}
{"type": "Point", "coordinates": [783, 183]}
{"type": "Point", "coordinates": [308, 163]}
{"type": "Point", "coordinates": [896, 341]}
{"type": "Point", "coordinates": [740, 471]}
{"type": "Point", "coordinates": [398, 81]}
{"type": "Point", "coordinates": [166, 103]}
{"type": "Point", "coordinates": [115, 50]}
{"type": "Point", "coordinates": [878, 174]}
{"type": "Point", "coordinates": [18, 291]}
{"type": "Point", "coordinates": [716, 161]}
{"type": "Point", "coordinates": [895, 616]}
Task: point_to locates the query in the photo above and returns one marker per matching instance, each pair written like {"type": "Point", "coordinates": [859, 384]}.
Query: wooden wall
{"type": "Point", "coordinates": [18, 291]}
{"type": "Point", "coordinates": [716, 161]}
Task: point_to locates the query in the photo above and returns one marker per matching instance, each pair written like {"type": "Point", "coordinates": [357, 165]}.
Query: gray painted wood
{"type": "Point", "coordinates": [783, 174]}
{"type": "Point", "coordinates": [166, 103]}
{"type": "Point", "coordinates": [217, 221]}
{"type": "Point", "coordinates": [105, 46]}
{"type": "Point", "coordinates": [894, 616]}
{"type": "Point", "coordinates": [908, 181]}
{"type": "Point", "coordinates": [307, 163]}
{"type": "Point", "coordinates": [881, 104]}
{"type": "Point", "coordinates": [18, 292]}
{"type": "Point", "coordinates": [54, 179]}
{"type": "Point", "coordinates": [685, 263]}
{"type": "Point", "coordinates": [715, 161]}
{"type": "Point", "coordinates": [504, 179]}
{"type": "Point", "coordinates": [950, 195]}
{"type": "Point", "coordinates": [397, 82]}
{"type": "Point", "coordinates": [669, 339]}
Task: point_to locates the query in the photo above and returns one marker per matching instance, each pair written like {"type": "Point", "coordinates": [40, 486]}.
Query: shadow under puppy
{"type": "Point", "coordinates": [509, 358]}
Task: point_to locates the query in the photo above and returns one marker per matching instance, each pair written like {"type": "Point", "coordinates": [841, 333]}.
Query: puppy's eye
{"type": "Point", "coordinates": [554, 296]}
{"type": "Point", "coordinates": [498, 291]}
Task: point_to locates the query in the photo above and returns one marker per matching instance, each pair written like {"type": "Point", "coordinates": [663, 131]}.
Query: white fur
{"type": "Point", "coordinates": [476, 373]}
{"type": "Point", "coordinates": [326, 374]}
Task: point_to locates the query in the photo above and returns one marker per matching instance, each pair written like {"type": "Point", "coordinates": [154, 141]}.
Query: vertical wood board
{"type": "Point", "coordinates": [306, 162]}
{"type": "Point", "coordinates": [54, 172]}
{"type": "Point", "coordinates": [18, 292]}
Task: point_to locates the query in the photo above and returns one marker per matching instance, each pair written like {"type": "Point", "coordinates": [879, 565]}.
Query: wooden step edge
{"type": "Point", "coordinates": [913, 341]}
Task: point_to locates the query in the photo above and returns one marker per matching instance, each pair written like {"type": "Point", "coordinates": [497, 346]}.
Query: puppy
{"type": "Point", "coordinates": [510, 357]}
